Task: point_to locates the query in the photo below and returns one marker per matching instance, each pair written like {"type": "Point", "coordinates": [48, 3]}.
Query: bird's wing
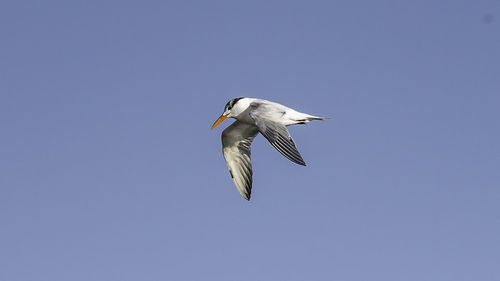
{"type": "Point", "coordinates": [267, 119]}
{"type": "Point", "coordinates": [236, 141]}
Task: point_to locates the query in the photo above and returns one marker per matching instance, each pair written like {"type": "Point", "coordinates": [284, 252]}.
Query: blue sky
{"type": "Point", "coordinates": [109, 169]}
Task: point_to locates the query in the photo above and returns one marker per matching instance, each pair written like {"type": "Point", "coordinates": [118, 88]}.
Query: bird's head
{"type": "Point", "coordinates": [230, 110]}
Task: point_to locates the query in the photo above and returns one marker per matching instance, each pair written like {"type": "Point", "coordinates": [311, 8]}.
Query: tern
{"type": "Point", "coordinates": [254, 116]}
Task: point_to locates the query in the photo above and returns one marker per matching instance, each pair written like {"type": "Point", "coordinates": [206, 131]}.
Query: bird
{"type": "Point", "coordinates": [255, 116]}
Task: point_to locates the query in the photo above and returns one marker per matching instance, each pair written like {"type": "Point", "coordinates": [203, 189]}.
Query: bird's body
{"type": "Point", "coordinates": [254, 116]}
{"type": "Point", "coordinates": [272, 110]}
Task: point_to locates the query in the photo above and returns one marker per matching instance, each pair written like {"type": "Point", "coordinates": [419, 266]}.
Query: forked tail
{"type": "Point", "coordinates": [309, 118]}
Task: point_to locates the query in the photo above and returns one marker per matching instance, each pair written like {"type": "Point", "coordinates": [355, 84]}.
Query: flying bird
{"type": "Point", "coordinates": [254, 116]}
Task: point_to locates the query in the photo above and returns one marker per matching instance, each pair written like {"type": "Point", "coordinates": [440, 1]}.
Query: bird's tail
{"type": "Point", "coordinates": [317, 118]}
{"type": "Point", "coordinates": [309, 118]}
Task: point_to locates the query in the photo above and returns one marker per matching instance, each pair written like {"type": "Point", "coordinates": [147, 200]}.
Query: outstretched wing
{"type": "Point", "coordinates": [266, 119]}
{"type": "Point", "coordinates": [236, 141]}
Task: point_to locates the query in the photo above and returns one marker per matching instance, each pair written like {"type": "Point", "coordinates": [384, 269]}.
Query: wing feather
{"type": "Point", "coordinates": [236, 141]}
{"type": "Point", "coordinates": [267, 121]}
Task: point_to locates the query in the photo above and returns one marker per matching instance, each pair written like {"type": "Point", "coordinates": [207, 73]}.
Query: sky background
{"type": "Point", "coordinates": [109, 169]}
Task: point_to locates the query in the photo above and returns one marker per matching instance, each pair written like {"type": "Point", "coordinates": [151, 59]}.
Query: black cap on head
{"type": "Point", "coordinates": [231, 103]}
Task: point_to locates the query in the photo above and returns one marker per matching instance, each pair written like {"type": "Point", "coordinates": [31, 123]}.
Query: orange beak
{"type": "Point", "coordinates": [218, 121]}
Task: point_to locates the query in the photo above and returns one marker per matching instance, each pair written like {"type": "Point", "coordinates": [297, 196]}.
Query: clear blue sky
{"type": "Point", "coordinates": [109, 169]}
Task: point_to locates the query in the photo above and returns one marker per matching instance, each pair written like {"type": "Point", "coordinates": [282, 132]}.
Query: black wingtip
{"type": "Point", "coordinates": [298, 160]}
{"type": "Point", "coordinates": [302, 163]}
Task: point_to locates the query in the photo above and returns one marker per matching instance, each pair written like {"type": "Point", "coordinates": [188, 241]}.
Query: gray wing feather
{"type": "Point", "coordinates": [236, 141]}
{"type": "Point", "coordinates": [275, 133]}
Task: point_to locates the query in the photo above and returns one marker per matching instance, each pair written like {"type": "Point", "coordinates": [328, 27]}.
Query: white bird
{"type": "Point", "coordinates": [254, 116]}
